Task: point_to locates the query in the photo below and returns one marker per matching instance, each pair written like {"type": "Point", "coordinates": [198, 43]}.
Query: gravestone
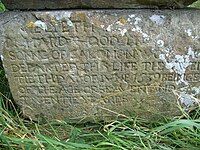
{"type": "Point", "coordinates": [63, 4]}
{"type": "Point", "coordinates": [102, 64]}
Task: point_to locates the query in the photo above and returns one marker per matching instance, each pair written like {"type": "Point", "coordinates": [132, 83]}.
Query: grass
{"type": "Point", "coordinates": [133, 133]}
{"type": "Point", "coordinates": [196, 4]}
{"type": "Point", "coordinates": [2, 7]}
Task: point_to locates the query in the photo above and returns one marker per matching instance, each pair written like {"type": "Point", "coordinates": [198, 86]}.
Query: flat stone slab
{"type": "Point", "coordinates": [102, 64]}
{"type": "Point", "coordinates": [63, 4]}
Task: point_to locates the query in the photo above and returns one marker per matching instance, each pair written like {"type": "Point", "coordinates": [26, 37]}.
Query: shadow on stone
{"type": "Point", "coordinates": [6, 98]}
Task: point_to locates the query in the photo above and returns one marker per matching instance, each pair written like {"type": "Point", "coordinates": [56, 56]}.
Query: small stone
{"type": "Point", "coordinates": [102, 64]}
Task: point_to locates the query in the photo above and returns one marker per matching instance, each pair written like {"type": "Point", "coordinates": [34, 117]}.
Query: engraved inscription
{"type": "Point", "coordinates": [75, 66]}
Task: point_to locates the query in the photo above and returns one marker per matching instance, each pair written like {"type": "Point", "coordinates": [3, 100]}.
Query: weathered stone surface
{"type": "Point", "coordinates": [102, 63]}
{"type": "Point", "coordinates": [62, 4]}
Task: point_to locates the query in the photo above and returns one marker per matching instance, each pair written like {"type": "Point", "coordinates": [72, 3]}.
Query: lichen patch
{"type": "Point", "coordinates": [41, 25]}
{"type": "Point", "coordinates": [1, 57]}
{"type": "Point", "coordinates": [190, 33]}
{"type": "Point", "coordinates": [179, 63]}
{"type": "Point", "coordinates": [158, 19]}
{"type": "Point", "coordinates": [66, 15]}
{"type": "Point", "coordinates": [186, 99]}
{"type": "Point", "coordinates": [160, 43]}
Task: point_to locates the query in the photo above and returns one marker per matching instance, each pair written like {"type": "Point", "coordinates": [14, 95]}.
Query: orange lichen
{"type": "Point", "coordinates": [31, 25]}
{"type": "Point", "coordinates": [81, 16]}
{"type": "Point", "coordinates": [122, 20]}
{"type": "Point", "coordinates": [53, 21]}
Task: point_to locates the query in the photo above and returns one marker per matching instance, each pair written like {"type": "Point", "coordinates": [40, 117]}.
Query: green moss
{"type": "Point", "coordinates": [2, 7]}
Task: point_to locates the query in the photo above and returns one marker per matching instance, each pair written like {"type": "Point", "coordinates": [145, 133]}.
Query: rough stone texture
{"type": "Point", "coordinates": [101, 64]}
{"type": "Point", "coordinates": [62, 4]}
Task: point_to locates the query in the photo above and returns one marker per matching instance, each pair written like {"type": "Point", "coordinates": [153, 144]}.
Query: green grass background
{"type": "Point", "coordinates": [196, 4]}
{"type": "Point", "coordinates": [132, 134]}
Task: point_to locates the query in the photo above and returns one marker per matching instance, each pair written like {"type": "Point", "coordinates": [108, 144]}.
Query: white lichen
{"type": "Point", "coordinates": [191, 53]}
{"type": "Point", "coordinates": [1, 57]}
{"type": "Point", "coordinates": [196, 91]}
{"type": "Point", "coordinates": [123, 31]}
{"type": "Point", "coordinates": [186, 99]}
{"type": "Point", "coordinates": [158, 19]}
{"type": "Point", "coordinates": [67, 14]}
{"type": "Point", "coordinates": [41, 25]}
{"type": "Point", "coordinates": [62, 15]}
{"type": "Point", "coordinates": [160, 43]}
{"type": "Point", "coordinates": [69, 23]}
{"type": "Point", "coordinates": [145, 36]}
{"type": "Point", "coordinates": [109, 28]}
{"type": "Point", "coordinates": [117, 26]}
{"type": "Point", "coordinates": [137, 20]}
{"type": "Point", "coordinates": [132, 16]}
{"type": "Point", "coordinates": [189, 32]}
{"type": "Point", "coordinates": [137, 28]}
{"type": "Point", "coordinates": [179, 64]}
{"type": "Point", "coordinates": [102, 26]}
{"type": "Point", "coordinates": [119, 23]}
